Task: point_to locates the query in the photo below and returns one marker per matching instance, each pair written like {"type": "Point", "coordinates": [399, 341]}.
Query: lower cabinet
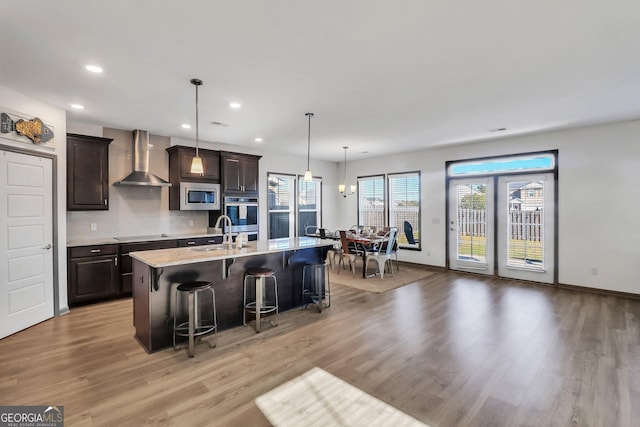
{"type": "Point", "coordinates": [100, 272]}
{"type": "Point", "coordinates": [93, 273]}
{"type": "Point", "coordinates": [125, 259]}
{"type": "Point", "coordinates": [199, 241]}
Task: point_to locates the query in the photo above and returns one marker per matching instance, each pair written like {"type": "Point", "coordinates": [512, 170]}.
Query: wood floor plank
{"type": "Point", "coordinates": [450, 350]}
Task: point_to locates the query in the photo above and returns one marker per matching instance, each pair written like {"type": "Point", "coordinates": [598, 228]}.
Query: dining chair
{"type": "Point", "coordinates": [310, 230]}
{"type": "Point", "coordinates": [408, 232]}
{"type": "Point", "coordinates": [349, 251]}
{"type": "Point", "coordinates": [385, 252]}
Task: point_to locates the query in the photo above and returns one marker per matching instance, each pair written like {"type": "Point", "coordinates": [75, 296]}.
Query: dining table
{"type": "Point", "coordinates": [364, 241]}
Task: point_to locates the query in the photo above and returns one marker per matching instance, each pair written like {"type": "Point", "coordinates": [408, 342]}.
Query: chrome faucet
{"type": "Point", "coordinates": [227, 235]}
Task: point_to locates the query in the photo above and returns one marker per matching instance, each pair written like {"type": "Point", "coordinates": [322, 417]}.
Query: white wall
{"type": "Point", "coordinates": [599, 199]}
{"type": "Point", "coordinates": [57, 118]}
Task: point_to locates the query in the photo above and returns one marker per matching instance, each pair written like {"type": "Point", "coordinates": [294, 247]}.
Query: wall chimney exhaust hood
{"type": "Point", "coordinates": [140, 175]}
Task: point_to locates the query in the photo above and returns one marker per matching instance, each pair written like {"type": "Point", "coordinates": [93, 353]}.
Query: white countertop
{"type": "Point", "coordinates": [88, 241]}
{"type": "Point", "coordinates": [179, 256]}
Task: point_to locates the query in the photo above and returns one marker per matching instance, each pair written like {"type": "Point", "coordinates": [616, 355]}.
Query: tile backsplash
{"type": "Point", "coordinates": [135, 210]}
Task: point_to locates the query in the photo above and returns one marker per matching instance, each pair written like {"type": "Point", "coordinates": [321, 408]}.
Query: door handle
{"type": "Point", "coordinates": [47, 247]}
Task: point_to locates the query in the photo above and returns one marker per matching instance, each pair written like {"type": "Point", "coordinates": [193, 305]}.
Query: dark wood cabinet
{"type": "Point", "coordinates": [100, 272]}
{"type": "Point", "coordinates": [180, 158]}
{"type": "Point", "coordinates": [199, 241]}
{"type": "Point", "coordinates": [239, 173]}
{"type": "Point", "coordinates": [180, 164]}
{"type": "Point", "coordinates": [93, 273]}
{"type": "Point", "coordinates": [87, 172]}
{"type": "Point", "coordinates": [126, 263]}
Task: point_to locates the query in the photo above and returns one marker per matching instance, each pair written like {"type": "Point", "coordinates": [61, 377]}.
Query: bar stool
{"type": "Point", "coordinates": [193, 328]}
{"type": "Point", "coordinates": [260, 305]}
{"type": "Point", "coordinates": [318, 274]}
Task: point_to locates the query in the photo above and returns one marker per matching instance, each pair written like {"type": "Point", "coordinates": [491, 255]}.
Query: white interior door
{"type": "Point", "coordinates": [526, 225]}
{"type": "Point", "coordinates": [471, 223]}
{"type": "Point", "coordinates": [26, 237]}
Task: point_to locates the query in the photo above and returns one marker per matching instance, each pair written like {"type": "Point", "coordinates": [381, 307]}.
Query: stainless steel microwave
{"type": "Point", "coordinates": [199, 196]}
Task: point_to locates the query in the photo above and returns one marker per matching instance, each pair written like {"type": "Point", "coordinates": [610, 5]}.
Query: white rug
{"type": "Point", "coordinates": [317, 398]}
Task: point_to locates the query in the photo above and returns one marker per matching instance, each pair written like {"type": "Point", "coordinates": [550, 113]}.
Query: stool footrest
{"type": "Point", "coordinates": [266, 308]}
{"type": "Point", "coordinates": [182, 329]}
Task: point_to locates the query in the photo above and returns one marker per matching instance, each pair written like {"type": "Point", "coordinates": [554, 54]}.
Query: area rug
{"type": "Point", "coordinates": [377, 285]}
{"type": "Point", "coordinates": [317, 398]}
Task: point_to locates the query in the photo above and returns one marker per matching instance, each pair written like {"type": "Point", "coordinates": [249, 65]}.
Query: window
{"type": "Point", "coordinates": [495, 165]}
{"type": "Point", "coordinates": [284, 202]}
{"type": "Point", "coordinates": [309, 204]}
{"type": "Point", "coordinates": [404, 207]}
{"type": "Point", "coordinates": [281, 205]}
{"type": "Point", "coordinates": [371, 201]}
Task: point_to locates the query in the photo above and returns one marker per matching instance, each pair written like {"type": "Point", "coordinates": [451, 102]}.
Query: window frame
{"type": "Point", "coordinates": [318, 210]}
{"type": "Point", "coordinates": [361, 179]}
{"type": "Point", "coordinates": [292, 209]}
{"type": "Point", "coordinates": [418, 175]}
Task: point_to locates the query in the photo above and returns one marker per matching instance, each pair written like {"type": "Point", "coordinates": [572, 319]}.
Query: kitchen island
{"type": "Point", "coordinates": [156, 274]}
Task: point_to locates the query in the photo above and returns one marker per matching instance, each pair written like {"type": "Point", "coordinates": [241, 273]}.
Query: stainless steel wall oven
{"type": "Point", "coordinates": [243, 212]}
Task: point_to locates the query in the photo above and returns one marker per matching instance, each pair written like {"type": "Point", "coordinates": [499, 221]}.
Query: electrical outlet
{"type": "Point", "coordinates": [190, 223]}
{"type": "Point", "coordinates": [94, 226]}
{"type": "Point", "coordinates": [594, 271]}
{"type": "Point", "coordinates": [428, 253]}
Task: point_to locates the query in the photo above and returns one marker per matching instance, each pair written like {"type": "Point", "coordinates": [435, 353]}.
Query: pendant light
{"type": "Point", "coordinates": [196, 163]}
{"type": "Point", "coordinates": [342, 188]}
{"type": "Point", "coordinates": [308, 176]}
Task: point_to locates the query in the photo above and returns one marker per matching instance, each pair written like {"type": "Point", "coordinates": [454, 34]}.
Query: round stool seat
{"type": "Point", "coordinates": [193, 286]}
{"type": "Point", "coordinates": [260, 271]}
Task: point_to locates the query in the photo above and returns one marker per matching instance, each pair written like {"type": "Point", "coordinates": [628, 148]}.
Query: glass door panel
{"type": "Point", "coordinates": [471, 225]}
{"type": "Point", "coordinates": [526, 224]}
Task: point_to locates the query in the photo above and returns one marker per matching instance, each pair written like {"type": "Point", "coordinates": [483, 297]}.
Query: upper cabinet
{"type": "Point", "coordinates": [180, 158]}
{"type": "Point", "coordinates": [180, 165]}
{"type": "Point", "coordinates": [239, 173]}
{"type": "Point", "coordinates": [87, 172]}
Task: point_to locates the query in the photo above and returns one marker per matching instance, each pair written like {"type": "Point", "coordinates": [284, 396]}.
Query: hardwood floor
{"type": "Point", "coordinates": [450, 350]}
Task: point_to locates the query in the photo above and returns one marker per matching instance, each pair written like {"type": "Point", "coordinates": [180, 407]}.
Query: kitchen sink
{"type": "Point", "coordinates": [209, 248]}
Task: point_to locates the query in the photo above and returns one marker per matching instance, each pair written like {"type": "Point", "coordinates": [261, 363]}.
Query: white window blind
{"type": "Point", "coordinates": [404, 207]}
{"type": "Point", "coordinates": [371, 201]}
{"type": "Point", "coordinates": [309, 204]}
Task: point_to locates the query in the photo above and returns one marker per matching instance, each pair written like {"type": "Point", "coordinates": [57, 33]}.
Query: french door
{"type": "Point", "coordinates": [471, 224]}
{"type": "Point", "coordinates": [526, 211]}
{"type": "Point", "coordinates": [503, 225]}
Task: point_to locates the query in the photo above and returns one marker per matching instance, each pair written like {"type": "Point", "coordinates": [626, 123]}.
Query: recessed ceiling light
{"type": "Point", "coordinates": [77, 106]}
{"type": "Point", "coordinates": [93, 68]}
{"type": "Point", "coordinates": [186, 126]}
{"type": "Point", "coordinates": [235, 105]}
{"type": "Point", "coordinates": [258, 139]}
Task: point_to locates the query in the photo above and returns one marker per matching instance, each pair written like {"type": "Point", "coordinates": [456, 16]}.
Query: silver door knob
{"type": "Point", "coordinates": [47, 247]}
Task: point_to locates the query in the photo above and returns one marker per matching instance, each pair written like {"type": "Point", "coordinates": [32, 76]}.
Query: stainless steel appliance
{"type": "Point", "coordinates": [199, 196]}
{"type": "Point", "coordinates": [243, 212]}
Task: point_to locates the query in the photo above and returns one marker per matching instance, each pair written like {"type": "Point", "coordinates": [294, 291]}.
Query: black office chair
{"type": "Point", "coordinates": [408, 232]}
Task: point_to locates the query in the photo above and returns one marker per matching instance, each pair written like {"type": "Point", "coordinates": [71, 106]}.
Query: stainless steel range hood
{"type": "Point", "coordinates": [140, 175]}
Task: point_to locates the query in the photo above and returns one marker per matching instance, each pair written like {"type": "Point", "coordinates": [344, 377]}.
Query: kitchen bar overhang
{"type": "Point", "coordinates": [156, 274]}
